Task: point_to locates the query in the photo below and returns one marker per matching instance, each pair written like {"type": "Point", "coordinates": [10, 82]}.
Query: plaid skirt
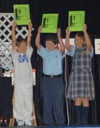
{"type": "Point", "coordinates": [81, 84]}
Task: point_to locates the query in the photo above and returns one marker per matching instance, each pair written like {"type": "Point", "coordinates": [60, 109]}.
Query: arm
{"type": "Point", "coordinates": [67, 41]}
{"type": "Point", "coordinates": [29, 34]}
{"type": "Point", "coordinates": [13, 36]}
{"type": "Point", "coordinates": [37, 40]}
{"type": "Point", "coordinates": [87, 38]}
{"type": "Point", "coordinates": [62, 47]}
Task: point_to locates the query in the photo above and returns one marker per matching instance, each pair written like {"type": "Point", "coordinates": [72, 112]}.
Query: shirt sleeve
{"type": "Point", "coordinates": [70, 53]}
{"type": "Point", "coordinates": [13, 55]}
{"type": "Point", "coordinates": [42, 52]}
{"type": "Point", "coordinates": [90, 52]}
{"type": "Point", "coordinates": [29, 51]}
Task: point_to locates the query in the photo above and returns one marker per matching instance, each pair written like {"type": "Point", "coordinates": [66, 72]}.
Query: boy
{"type": "Point", "coordinates": [52, 83]}
{"type": "Point", "coordinates": [21, 55]}
{"type": "Point", "coordinates": [81, 85]}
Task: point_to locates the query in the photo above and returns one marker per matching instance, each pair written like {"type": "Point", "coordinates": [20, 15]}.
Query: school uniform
{"type": "Point", "coordinates": [23, 89]}
{"type": "Point", "coordinates": [81, 82]}
{"type": "Point", "coordinates": [52, 86]}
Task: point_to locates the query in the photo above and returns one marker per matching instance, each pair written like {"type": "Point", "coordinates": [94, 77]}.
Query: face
{"type": "Point", "coordinates": [50, 45]}
{"type": "Point", "coordinates": [79, 41]}
{"type": "Point", "coordinates": [22, 48]}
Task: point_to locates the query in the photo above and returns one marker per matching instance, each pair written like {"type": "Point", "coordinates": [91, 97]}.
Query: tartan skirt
{"type": "Point", "coordinates": [81, 85]}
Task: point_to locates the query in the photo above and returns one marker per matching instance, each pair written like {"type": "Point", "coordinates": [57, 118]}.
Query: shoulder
{"type": "Point", "coordinates": [42, 49]}
{"type": "Point", "coordinates": [71, 52]}
{"type": "Point", "coordinates": [14, 52]}
{"type": "Point", "coordinates": [14, 55]}
{"type": "Point", "coordinates": [90, 53]}
{"type": "Point", "coordinates": [58, 52]}
{"type": "Point", "coordinates": [29, 48]}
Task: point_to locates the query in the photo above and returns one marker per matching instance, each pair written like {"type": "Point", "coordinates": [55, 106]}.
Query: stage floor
{"type": "Point", "coordinates": [92, 126]}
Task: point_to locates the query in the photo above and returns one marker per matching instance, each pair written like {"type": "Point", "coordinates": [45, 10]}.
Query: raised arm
{"type": "Point", "coordinates": [29, 34]}
{"type": "Point", "coordinates": [62, 47]}
{"type": "Point", "coordinates": [87, 38]}
{"type": "Point", "coordinates": [37, 40]}
{"type": "Point", "coordinates": [13, 36]}
{"type": "Point", "coordinates": [67, 40]}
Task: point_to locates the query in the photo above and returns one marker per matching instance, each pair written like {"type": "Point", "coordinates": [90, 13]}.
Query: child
{"type": "Point", "coordinates": [81, 85]}
{"type": "Point", "coordinates": [21, 55]}
{"type": "Point", "coordinates": [52, 83]}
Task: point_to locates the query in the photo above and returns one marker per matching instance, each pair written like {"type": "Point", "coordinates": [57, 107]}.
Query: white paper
{"type": "Point", "coordinates": [71, 41]}
{"type": "Point", "coordinates": [97, 46]}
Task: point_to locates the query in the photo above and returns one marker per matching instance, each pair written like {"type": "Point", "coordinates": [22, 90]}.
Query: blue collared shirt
{"type": "Point", "coordinates": [52, 61]}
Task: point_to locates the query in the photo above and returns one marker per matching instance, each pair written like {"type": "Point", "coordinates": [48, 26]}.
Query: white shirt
{"type": "Point", "coordinates": [22, 67]}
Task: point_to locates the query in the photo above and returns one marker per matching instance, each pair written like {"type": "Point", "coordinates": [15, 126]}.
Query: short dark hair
{"type": "Point", "coordinates": [19, 41]}
{"type": "Point", "coordinates": [52, 38]}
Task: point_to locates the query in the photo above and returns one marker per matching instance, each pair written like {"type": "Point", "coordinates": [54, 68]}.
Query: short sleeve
{"type": "Point", "coordinates": [13, 55]}
{"type": "Point", "coordinates": [90, 52]}
{"type": "Point", "coordinates": [29, 51]}
{"type": "Point", "coordinates": [71, 53]}
{"type": "Point", "coordinates": [42, 52]}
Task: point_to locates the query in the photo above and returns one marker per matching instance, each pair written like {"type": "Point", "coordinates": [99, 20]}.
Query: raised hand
{"type": "Point", "coordinates": [29, 34]}
{"type": "Point", "coordinates": [67, 31]}
{"type": "Point", "coordinates": [59, 32]}
{"type": "Point", "coordinates": [85, 28]}
{"type": "Point", "coordinates": [39, 29]}
{"type": "Point", "coordinates": [14, 25]}
{"type": "Point", "coordinates": [13, 36]}
{"type": "Point", "coordinates": [30, 25]}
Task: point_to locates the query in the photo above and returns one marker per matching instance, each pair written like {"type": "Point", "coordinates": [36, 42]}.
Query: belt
{"type": "Point", "coordinates": [52, 76]}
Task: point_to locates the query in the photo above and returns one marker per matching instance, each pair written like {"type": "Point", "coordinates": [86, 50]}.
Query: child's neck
{"type": "Point", "coordinates": [51, 49]}
{"type": "Point", "coordinates": [20, 51]}
{"type": "Point", "coordinates": [79, 46]}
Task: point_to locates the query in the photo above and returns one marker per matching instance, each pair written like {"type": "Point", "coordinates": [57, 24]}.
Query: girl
{"type": "Point", "coordinates": [81, 85]}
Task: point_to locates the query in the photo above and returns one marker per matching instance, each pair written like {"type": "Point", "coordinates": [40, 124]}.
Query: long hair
{"type": "Point", "coordinates": [81, 35]}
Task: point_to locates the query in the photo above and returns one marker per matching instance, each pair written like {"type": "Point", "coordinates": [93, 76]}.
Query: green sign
{"type": "Point", "coordinates": [22, 14]}
{"type": "Point", "coordinates": [76, 20]}
{"type": "Point", "coordinates": [49, 23]}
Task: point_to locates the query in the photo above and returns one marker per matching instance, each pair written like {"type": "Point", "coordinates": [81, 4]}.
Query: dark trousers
{"type": "Point", "coordinates": [53, 100]}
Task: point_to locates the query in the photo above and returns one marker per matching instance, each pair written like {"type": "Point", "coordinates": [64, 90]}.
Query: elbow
{"type": "Point", "coordinates": [36, 44]}
{"type": "Point", "coordinates": [89, 47]}
{"type": "Point", "coordinates": [63, 52]}
{"type": "Point", "coordinates": [68, 48]}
